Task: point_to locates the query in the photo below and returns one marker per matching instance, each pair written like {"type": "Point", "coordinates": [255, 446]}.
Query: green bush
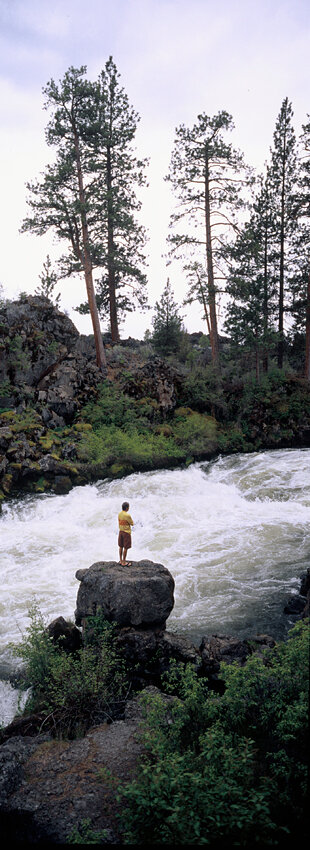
{"type": "Point", "coordinates": [194, 432]}
{"type": "Point", "coordinates": [72, 691]}
{"type": "Point", "coordinates": [225, 770]}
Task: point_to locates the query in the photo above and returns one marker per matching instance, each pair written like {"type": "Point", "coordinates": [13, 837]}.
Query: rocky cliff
{"type": "Point", "coordinates": [48, 373]}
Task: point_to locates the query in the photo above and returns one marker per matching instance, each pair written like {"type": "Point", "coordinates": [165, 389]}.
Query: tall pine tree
{"type": "Point", "coordinates": [283, 178]}
{"type": "Point", "coordinates": [115, 205]}
{"type": "Point", "coordinates": [251, 283]}
{"type": "Point", "coordinates": [206, 174]}
{"type": "Point", "coordinates": [62, 200]}
{"type": "Point", "coordinates": [300, 289]}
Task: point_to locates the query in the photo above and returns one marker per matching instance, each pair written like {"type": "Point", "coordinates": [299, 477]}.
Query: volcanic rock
{"type": "Point", "coordinates": [140, 595]}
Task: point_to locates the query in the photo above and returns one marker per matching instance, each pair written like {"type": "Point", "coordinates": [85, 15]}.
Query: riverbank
{"type": "Point", "coordinates": [206, 719]}
{"type": "Point", "coordinates": [61, 425]}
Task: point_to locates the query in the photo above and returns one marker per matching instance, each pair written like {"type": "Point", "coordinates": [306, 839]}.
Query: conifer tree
{"type": "Point", "coordinates": [119, 174]}
{"type": "Point", "coordinates": [300, 288]}
{"type": "Point", "coordinates": [283, 179]}
{"type": "Point", "coordinates": [167, 323]}
{"type": "Point", "coordinates": [87, 195]}
{"type": "Point", "coordinates": [62, 200]}
{"type": "Point", "coordinates": [206, 174]}
{"type": "Point", "coordinates": [49, 280]}
{"type": "Point", "coordinates": [251, 282]}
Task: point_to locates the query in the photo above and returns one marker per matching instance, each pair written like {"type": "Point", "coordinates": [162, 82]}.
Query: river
{"type": "Point", "coordinates": [233, 532]}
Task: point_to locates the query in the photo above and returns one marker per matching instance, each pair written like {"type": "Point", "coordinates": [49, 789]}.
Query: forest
{"type": "Point", "coordinates": [242, 239]}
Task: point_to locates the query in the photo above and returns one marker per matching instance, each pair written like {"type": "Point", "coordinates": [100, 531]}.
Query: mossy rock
{"type": "Point", "coordinates": [41, 485]}
{"type": "Point", "coordinates": [83, 426]}
{"type": "Point", "coordinates": [7, 483]}
{"type": "Point", "coordinates": [61, 485]}
{"type": "Point", "coordinates": [7, 415]}
{"type": "Point", "coordinates": [183, 412]}
{"type": "Point", "coordinates": [46, 442]}
{"type": "Point", "coordinates": [117, 470]}
{"type": "Point", "coordinates": [164, 430]}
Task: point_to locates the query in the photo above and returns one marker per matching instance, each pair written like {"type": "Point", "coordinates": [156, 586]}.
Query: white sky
{"type": "Point", "coordinates": [176, 58]}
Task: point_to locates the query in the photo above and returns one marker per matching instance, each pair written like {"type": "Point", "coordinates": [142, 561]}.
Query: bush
{"type": "Point", "coordinates": [194, 432]}
{"type": "Point", "coordinates": [227, 769]}
{"type": "Point", "coordinates": [72, 692]}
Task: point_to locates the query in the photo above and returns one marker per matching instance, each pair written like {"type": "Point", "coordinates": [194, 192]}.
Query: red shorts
{"type": "Point", "coordinates": [124, 540]}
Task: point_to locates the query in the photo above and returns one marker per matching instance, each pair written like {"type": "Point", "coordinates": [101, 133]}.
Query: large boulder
{"type": "Point", "coordinates": [140, 595]}
{"type": "Point", "coordinates": [157, 380]}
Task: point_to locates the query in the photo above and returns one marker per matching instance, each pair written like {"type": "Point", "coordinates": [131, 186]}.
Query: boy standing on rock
{"type": "Point", "coordinates": [124, 536]}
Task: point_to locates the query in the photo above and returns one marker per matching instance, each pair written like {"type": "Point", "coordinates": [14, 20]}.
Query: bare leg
{"type": "Point", "coordinates": [123, 561]}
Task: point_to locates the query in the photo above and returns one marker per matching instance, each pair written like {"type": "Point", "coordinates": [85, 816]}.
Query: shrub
{"type": "Point", "coordinates": [225, 769]}
{"type": "Point", "coordinates": [72, 691]}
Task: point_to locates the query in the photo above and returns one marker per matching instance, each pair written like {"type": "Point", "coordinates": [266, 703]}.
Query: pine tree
{"type": "Point", "coordinates": [119, 174]}
{"type": "Point", "coordinates": [251, 283]}
{"type": "Point", "coordinates": [49, 280]}
{"type": "Point", "coordinates": [283, 178]}
{"type": "Point", "coordinates": [61, 201]}
{"type": "Point", "coordinates": [206, 174]}
{"type": "Point", "coordinates": [167, 323]}
{"type": "Point", "coordinates": [300, 288]}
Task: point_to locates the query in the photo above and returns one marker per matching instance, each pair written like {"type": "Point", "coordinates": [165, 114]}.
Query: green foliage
{"type": "Point", "coordinates": [228, 768]}
{"type": "Point", "coordinates": [202, 390]}
{"type": "Point", "coordinates": [49, 279]}
{"type": "Point", "coordinates": [113, 407]}
{"type": "Point", "coordinates": [109, 445]}
{"type": "Point", "coordinates": [194, 431]}
{"type": "Point", "coordinates": [72, 691]}
{"type": "Point", "coordinates": [167, 323]}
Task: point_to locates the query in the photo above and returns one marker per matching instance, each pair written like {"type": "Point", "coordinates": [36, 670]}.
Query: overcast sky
{"type": "Point", "coordinates": [176, 58]}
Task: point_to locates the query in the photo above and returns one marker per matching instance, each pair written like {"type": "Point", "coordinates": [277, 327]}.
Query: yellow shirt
{"type": "Point", "coordinates": [125, 522]}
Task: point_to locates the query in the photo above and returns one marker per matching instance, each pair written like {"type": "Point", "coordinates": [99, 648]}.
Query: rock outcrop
{"type": "Point", "coordinates": [140, 595]}
{"type": "Point", "coordinates": [158, 380]}
{"type": "Point", "coordinates": [48, 787]}
{"type": "Point", "coordinates": [45, 360]}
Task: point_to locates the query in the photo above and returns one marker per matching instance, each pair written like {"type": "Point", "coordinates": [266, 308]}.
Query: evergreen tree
{"type": "Point", "coordinates": [206, 174]}
{"type": "Point", "coordinates": [115, 205]}
{"type": "Point", "coordinates": [252, 280]}
{"type": "Point", "coordinates": [167, 323]}
{"type": "Point", "coordinates": [49, 280]}
{"type": "Point", "coordinates": [283, 179]}
{"type": "Point", "coordinates": [61, 201]}
{"type": "Point", "coordinates": [300, 288]}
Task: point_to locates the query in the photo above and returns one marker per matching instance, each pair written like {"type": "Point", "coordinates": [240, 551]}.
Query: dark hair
{"type": "Point", "coordinates": [125, 506]}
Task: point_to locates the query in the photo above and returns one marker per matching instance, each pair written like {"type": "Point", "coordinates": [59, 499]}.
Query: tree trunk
{"type": "Point", "coordinates": [211, 287]}
{"type": "Point", "coordinates": [265, 300]}
{"type": "Point", "coordinates": [281, 279]}
{"type": "Point", "coordinates": [307, 360]}
{"type": "Point", "coordinates": [205, 307]}
{"type": "Point", "coordinates": [257, 357]}
{"type": "Point", "coordinates": [111, 269]}
{"type": "Point", "coordinates": [88, 271]}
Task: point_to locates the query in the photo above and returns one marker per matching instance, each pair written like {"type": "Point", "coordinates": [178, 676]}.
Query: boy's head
{"type": "Point", "coordinates": [125, 506]}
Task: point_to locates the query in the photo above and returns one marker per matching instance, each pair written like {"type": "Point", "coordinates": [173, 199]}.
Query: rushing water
{"type": "Point", "coordinates": [234, 533]}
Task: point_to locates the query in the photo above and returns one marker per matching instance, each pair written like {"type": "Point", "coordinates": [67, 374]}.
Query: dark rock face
{"type": "Point", "coordinates": [298, 603]}
{"type": "Point", "coordinates": [157, 380]}
{"type": "Point", "coordinates": [49, 787]}
{"type": "Point", "coordinates": [45, 359]}
{"type": "Point", "coordinates": [148, 653]}
{"type": "Point", "coordinates": [65, 634]}
{"type": "Point", "coordinates": [217, 648]}
{"type": "Point", "coordinates": [139, 596]}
